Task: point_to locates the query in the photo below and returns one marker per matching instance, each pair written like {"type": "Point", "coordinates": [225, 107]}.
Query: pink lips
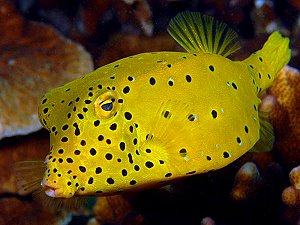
{"type": "Point", "coordinates": [49, 190]}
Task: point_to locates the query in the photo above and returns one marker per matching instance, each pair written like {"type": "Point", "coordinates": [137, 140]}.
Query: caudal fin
{"type": "Point", "coordinates": [267, 62]}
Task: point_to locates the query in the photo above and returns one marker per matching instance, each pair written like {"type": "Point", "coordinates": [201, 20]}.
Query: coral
{"type": "Point", "coordinates": [115, 210]}
{"type": "Point", "coordinates": [208, 221]}
{"type": "Point", "coordinates": [30, 147]}
{"type": "Point", "coordinates": [291, 195]}
{"type": "Point", "coordinates": [284, 115]}
{"type": "Point", "coordinates": [17, 211]}
{"type": "Point", "coordinates": [133, 12]}
{"type": "Point", "coordinates": [34, 58]}
{"type": "Point", "coordinates": [126, 45]}
{"type": "Point", "coordinates": [246, 181]}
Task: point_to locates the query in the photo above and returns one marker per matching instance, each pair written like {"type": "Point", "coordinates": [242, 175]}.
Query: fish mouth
{"type": "Point", "coordinates": [50, 190]}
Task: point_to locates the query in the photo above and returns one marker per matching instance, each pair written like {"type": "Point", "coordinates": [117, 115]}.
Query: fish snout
{"type": "Point", "coordinates": [55, 191]}
{"type": "Point", "coordinates": [50, 190]}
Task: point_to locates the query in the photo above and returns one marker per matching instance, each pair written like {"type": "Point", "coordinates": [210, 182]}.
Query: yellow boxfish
{"type": "Point", "coordinates": [148, 119]}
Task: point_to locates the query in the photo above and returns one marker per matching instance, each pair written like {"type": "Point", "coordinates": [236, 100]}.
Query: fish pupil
{"type": "Point", "coordinates": [107, 106]}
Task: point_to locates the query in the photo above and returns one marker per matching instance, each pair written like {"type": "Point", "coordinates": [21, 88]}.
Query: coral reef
{"type": "Point", "coordinates": [34, 58]}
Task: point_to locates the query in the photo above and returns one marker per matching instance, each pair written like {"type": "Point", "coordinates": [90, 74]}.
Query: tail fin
{"type": "Point", "coordinates": [267, 62]}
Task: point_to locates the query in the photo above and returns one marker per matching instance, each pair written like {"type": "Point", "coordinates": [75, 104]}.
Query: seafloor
{"type": "Point", "coordinates": [46, 43]}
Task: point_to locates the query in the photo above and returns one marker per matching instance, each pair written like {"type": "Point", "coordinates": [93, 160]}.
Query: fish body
{"type": "Point", "coordinates": [154, 117]}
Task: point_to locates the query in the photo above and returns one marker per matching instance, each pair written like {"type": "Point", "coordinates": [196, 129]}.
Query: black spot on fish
{"type": "Point", "coordinates": [124, 172]}
{"type": "Point", "coordinates": [122, 145]}
{"type": "Point", "coordinates": [110, 181]}
{"type": "Point", "coordinates": [130, 158]}
{"type": "Point", "coordinates": [234, 86]}
{"type": "Point", "coordinates": [188, 78]}
{"type": "Point", "coordinates": [132, 182]}
{"type": "Point", "coordinates": [60, 151]}
{"type": "Point", "coordinates": [246, 129]}
{"type": "Point", "coordinates": [45, 110]}
{"type": "Point", "coordinates": [100, 138]}
{"type": "Point", "coordinates": [214, 114]}
{"type": "Point", "coordinates": [113, 126]}
{"type": "Point", "coordinates": [108, 156]}
{"type": "Point", "coordinates": [69, 160]}
{"type": "Point", "coordinates": [130, 78]}
{"type": "Point", "coordinates": [77, 152]}
{"type": "Point", "coordinates": [135, 141]}
{"type": "Point", "coordinates": [91, 180]}
{"type": "Point", "coordinates": [98, 170]}
{"type": "Point", "coordinates": [128, 115]}
{"type": "Point", "coordinates": [44, 101]}
{"type": "Point", "coordinates": [152, 81]}
{"type": "Point", "coordinates": [77, 131]}
{"type": "Point", "coordinates": [208, 158]}
{"type": "Point", "coordinates": [80, 116]}
{"type": "Point", "coordinates": [126, 89]}
{"type": "Point", "coordinates": [87, 101]}
{"type": "Point", "coordinates": [83, 143]}
{"type": "Point", "coordinates": [93, 151]}
{"type": "Point", "coordinates": [191, 117]}
{"type": "Point", "coordinates": [65, 127]}
{"type": "Point", "coordinates": [64, 139]}
{"type": "Point", "coordinates": [225, 155]}
{"type": "Point", "coordinates": [191, 172]}
{"type": "Point", "coordinates": [149, 164]}
{"type": "Point", "coordinates": [96, 123]}
{"type": "Point", "coordinates": [131, 129]}
{"type": "Point", "coordinates": [182, 152]}
{"type": "Point", "coordinates": [168, 174]}
{"type": "Point", "coordinates": [211, 68]}
{"type": "Point", "coordinates": [136, 168]}
{"type": "Point", "coordinates": [82, 169]}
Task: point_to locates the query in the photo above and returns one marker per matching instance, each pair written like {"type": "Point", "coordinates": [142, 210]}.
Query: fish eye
{"type": "Point", "coordinates": [105, 106]}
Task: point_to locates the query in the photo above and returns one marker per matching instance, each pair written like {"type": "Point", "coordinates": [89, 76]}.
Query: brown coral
{"type": "Point", "coordinates": [285, 115]}
{"type": "Point", "coordinates": [34, 58]}
{"type": "Point", "coordinates": [291, 194]}
{"type": "Point", "coordinates": [246, 181]}
{"type": "Point", "coordinates": [115, 210]}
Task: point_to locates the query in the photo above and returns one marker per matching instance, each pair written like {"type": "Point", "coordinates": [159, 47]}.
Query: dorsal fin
{"type": "Point", "coordinates": [201, 33]}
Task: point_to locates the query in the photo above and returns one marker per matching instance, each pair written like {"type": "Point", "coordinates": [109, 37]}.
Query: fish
{"type": "Point", "coordinates": [152, 118]}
